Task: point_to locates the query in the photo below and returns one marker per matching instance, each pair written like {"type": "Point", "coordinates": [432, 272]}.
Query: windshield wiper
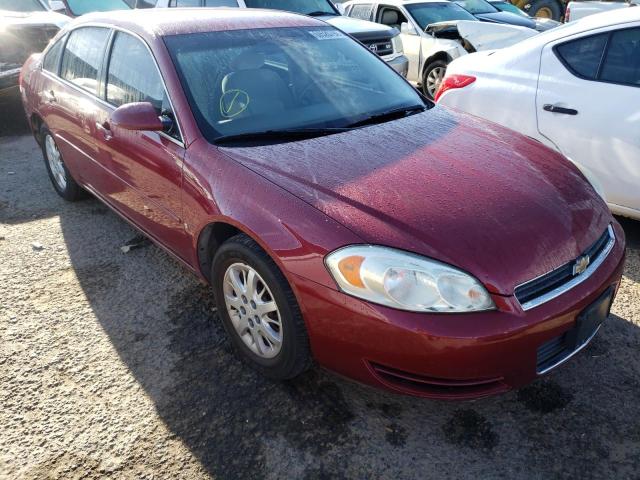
{"type": "Point", "coordinates": [389, 115]}
{"type": "Point", "coordinates": [318, 13]}
{"type": "Point", "coordinates": [285, 134]}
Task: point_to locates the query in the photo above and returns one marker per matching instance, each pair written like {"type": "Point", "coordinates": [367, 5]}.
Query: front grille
{"type": "Point", "coordinates": [422, 386]}
{"type": "Point", "coordinates": [381, 47]}
{"type": "Point", "coordinates": [558, 281]}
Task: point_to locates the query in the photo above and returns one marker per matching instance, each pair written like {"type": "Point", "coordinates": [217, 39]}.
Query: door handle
{"type": "Point", "coordinates": [555, 109]}
{"type": "Point", "coordinates": [50, 96]}
{"type": "Point", "coordinates": [105, 129]}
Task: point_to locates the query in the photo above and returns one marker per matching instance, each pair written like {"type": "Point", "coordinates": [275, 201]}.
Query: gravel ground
{"type": "Point", "coordinates": [113, 365]}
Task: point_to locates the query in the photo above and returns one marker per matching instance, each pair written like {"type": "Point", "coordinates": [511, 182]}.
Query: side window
{"type": "Point", "coordinates": [583, 56]}
{"type": "Point", "coordinates": [185, 3]}
{"type": "Point", "coordinates": [622, 61]}
{"type": "Point", "coordinates": [83, 56]}
{"type": "Point", "coordinates": [220, 3]}
{"type": "Point", "coordinates": [362, 11]}
{"type": "Point", "coordinates": [52, 57]}
{"type": "Point", "coordinates": [133, 76]}
{"type": "Point", "coordinates": [391, 17]}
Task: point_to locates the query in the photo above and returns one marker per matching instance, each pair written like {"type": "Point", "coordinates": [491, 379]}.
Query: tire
{"type": "Point", "coordinates": [62, 181]}
{"type": "Point", "coordinates": [429, 88]}
{"type": "Point", "coordinates": [546, 9]}
{"type": "Point", "coordinates": [254, 340]}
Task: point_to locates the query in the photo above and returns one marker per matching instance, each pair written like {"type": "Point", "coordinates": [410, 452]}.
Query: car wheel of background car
{"type": "Point", "coordinates": [60, 177]}
{"type": "Point", "coordinates": [259, 310]}
{"type": "Point", "coordinates": [432, 78]}
{"type": "Point", "coordinates": [545, 9]}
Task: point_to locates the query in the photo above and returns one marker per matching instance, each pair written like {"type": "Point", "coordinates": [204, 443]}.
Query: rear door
{"type": "Point", "coordinates": [588, 107]}
{"type": "Point", "coordinates": [147, 166]}
{"type": "Point", "coordinates": [74, 104]}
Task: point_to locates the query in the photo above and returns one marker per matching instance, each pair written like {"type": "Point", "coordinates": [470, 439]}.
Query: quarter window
{"type": "Point", "coordinates": [52, 57]}
{"type": "Point", "coordinates": [583, 56]}
{"type": "Point", "coordinates": [133, 76]}
{"type": "Point", "coordinates": [622, 63]}
{"type": "Point", "coordinates": [83, 57]}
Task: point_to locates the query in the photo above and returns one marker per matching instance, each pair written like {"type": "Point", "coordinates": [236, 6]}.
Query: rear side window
{"type": "Point", "coordinates": [362, 11]}
{"type": "Point", "coordinates": [583, 56]}
{"type": "Point", "coordinates": [52, 57]}
{"type": "Point", "coordinates": [622, 62]}
{"type": "Point", "coordinates": [83, 57]}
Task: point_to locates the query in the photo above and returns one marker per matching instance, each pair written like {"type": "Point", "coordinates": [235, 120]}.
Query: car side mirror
{"type": "Point", "coordinates": [58, 6]}
{"type": "Point", "coordinates": [407, 29]}
{"type": "Point", "coordinates": [140, 116]}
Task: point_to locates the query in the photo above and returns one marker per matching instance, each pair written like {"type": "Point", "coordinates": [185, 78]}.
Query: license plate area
{"type": "Point", "coordinates": [560, 349]}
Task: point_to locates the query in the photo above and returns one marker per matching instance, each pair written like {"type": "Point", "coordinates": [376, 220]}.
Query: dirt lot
{"type": "Point", "coordinates": [113, 365]}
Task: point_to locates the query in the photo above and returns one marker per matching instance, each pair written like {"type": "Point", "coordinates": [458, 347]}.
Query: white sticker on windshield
{"type": "Point", "coordinates": [327, 34]}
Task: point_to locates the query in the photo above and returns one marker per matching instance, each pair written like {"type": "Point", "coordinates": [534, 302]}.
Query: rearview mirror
{"type": "Point", "coordinates": [407, 29]}
{"type": "Point", "coordinates": [140, 116]}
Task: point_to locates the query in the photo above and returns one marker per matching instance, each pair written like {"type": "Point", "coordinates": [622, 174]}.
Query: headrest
{"type": "Point", "coordinates": [390, 17]}
{"type": "Point", "coordinates": [248, 61]}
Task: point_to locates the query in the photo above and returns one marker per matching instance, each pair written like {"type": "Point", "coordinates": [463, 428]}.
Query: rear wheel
{"type": "Point", "coordinates": [545, 9]}
{"type": "Point", "coordinates": [60, 177]}
{"type": "Point", "coordinates": [432, 78]}
{"type": "Point", "coordinates": [259, 310]}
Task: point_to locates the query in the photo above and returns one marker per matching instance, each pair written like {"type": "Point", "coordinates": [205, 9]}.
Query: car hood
{"type": "Point", "coordinates": [35, 18]}
{"type": "Point", "coordinates": [508, 18]}
{"type": "Point", "coordinates": [448, 186]}
{"type": "Point", "coordinates": [481, 35]}
{"type": "Point", "coordinates": [360, 29]}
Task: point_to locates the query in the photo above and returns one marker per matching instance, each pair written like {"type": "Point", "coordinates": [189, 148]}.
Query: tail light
{"type": "Point", "coordinates": [454, 81]}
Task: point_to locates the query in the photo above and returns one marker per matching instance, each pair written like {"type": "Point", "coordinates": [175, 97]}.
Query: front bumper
{"type": "Point", "coordinates": [447, 356]}
{"type": "Point", "coordinates": [400, 64]}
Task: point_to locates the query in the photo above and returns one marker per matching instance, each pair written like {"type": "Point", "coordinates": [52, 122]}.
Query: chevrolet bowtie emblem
{"type": "Point", "coordinates": [581, 264]}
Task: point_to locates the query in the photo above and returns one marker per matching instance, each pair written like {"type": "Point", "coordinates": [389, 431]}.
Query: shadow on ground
{"type": "Point", "coordinates": [580, 421]}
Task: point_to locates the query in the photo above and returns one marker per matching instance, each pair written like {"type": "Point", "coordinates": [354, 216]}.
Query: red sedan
{"type": "Point", "coordinates": [338, 215]}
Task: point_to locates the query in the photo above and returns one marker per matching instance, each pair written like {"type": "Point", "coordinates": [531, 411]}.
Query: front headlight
{"type": "Point", "coordinates": [397, 44]}
{"type": "Point", "coordinates": [406, 281]}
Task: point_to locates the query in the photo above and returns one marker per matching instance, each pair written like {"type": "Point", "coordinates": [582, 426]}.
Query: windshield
{"type": "Point", "coordinates": [427, 13]}
{"type": "Point", "coordinates": [250, 81]}
{"type": "Point", "coordinates": [306, 7]}
{"type": "Point", "coordinates": [509, 7]}
{"type": "Point", "coordinates": [477, 7]}
{"type": "Point", "coordinates": [80, 7]}
{"type": "Point", "coordinates": [21, 5]}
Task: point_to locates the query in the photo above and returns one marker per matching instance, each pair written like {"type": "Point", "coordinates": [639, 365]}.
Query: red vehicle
{"type": "Point", "coordinates": [338, 215]}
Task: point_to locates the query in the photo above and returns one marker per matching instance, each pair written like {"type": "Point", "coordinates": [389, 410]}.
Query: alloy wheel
{"type": "Point", "coordinates": [253, 310]}
{"type": "Point", "coordinates": [55, 163]}
{"type": "Point", "coordinates": [434, 79]}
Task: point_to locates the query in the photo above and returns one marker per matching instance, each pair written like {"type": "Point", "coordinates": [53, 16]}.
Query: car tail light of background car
{"type": "Point", "coordinates": [454, 81]}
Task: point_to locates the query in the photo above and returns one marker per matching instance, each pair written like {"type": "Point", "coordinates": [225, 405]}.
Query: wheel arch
{"type": "Point", "coordinates": [437, 56]}
{"type": "Point", "coordinates": [36, 122]}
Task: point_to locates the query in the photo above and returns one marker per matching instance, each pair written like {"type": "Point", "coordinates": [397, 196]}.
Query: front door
{"type": "Point", "coordinates": [588, 104]}
{"type": "Point", "coordinates": [147, 165]}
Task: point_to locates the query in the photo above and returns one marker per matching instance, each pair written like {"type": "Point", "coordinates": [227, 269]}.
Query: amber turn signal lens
{"type": "Point", "coordinates": [350, 269]}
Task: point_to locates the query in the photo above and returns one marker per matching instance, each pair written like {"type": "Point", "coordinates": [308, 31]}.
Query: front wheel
{"type": "Point", "coordinates": [432, 78]}
{"type": "Point", "coordinates": [259, 310]}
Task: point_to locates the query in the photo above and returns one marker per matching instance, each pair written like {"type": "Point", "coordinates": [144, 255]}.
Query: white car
{"type": "Point", "coordinates": [577, 10]}
{"type": "Point", "coordinates": [434, 32]}
{"type": "Point", "coordinates": [575, 88]}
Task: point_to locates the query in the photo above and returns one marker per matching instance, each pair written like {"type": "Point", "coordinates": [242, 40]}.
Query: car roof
{"type": "Point", "coordinates": [159, 22]}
